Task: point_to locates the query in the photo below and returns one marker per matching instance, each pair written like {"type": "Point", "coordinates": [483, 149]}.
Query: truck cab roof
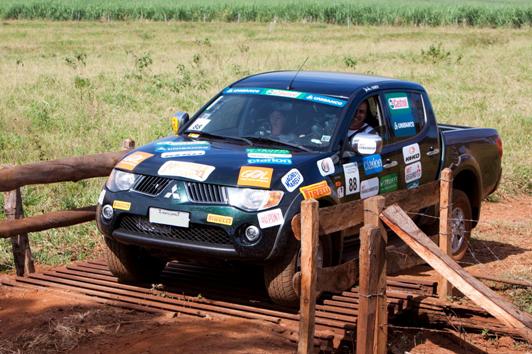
{"type": "Point", "coordinates": [322, 82]}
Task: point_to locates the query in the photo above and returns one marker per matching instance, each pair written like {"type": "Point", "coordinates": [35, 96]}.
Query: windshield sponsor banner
{"type": "Point", "coordinates": [411, 153]}
{"type": "Point", "coordinates": [190, 170]}
{"type": "Point", "coordinates": [292, 180]}
{"type": "Point", "coordinates": [270, 161]}
{"type": "Point", "coordinates": [255, 176]}
{"type": "Point", "coordinates": [270, 218]}
{"type": "Point", "coordinates": [352, 178]}
{"type": "Point", "coordinates": [316, 190]}
{"type": "Point", "coordinates": [326, 166]}
{"type": "Point", "coordinates": [323, 99]}
{"type": "Point", "coordinates": [388, 183]}
{"type": "Point", "coordinates": [372, 164]}
{"type": "Point", "coordinates": [402, 118]}
{"type": "Point", "coordinates": [220, 219]}
{"type": "Point", "coordinates": [131, 161]}
{"type": "Point", "coordinates": [413, 172]}
{"type": "Point", "coordinates": [167, 155]}
{"type": "Point", "coordinates": [369, 187]}
{"type": "Point", "coordinates": [121, 205]}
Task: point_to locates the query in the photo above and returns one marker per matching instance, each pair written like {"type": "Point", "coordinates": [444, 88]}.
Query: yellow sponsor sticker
{"type": "Point", "coordinates": [193, 135]}
{"type": "Point", "coordinates": [316, 190]}
{"type": "Point", "coordinates": [121, 205]}
{"type": "Point", "coordinates": [131, 161]}
{"type": "Point", "coordinates": [220, 219]}
{"type": "Point", "coordinates": [255, 176]}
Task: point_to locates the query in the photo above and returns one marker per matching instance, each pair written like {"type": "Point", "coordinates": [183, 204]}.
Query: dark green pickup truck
{"type": "Point", "coordinates": [227, 185]}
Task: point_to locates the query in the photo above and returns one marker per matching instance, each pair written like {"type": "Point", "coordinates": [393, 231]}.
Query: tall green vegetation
{"type": "Point", "coordinates": [515, 13]}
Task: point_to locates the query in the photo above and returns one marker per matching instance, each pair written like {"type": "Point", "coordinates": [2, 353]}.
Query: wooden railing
{"type": "Point", "coordinates": [74, 169]}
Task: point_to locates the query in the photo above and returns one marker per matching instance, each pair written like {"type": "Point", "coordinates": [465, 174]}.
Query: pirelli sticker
{"type": "Point", "coordinates": [316, 190]}
{"type": "Point", "coordinates": [131, 161]}
{"type": "Point", "coordinates": [220, 219]}
{"type": "Point", "coordinates": [255, 176]}
{"type": "Point", "coordinates": [121, 205]}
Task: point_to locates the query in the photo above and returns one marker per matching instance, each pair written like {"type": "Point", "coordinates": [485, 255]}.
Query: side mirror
{"type": "Point", "coordinates": [366, 144]}
{"type": "Point", "coordinates": [178, 120]}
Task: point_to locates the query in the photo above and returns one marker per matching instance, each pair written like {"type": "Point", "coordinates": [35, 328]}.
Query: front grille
{"type": "Point", "coordinates": [151, 185]}
{"type": "Point", "coordinates": [196, 233]}
{"type": "Point", "coordinates": [206, 193]}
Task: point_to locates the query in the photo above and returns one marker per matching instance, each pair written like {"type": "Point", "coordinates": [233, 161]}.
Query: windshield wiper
{"type": "Point", "coordinates": [263, 139]}
{"type": "Point", "coordinates": [216, 136]}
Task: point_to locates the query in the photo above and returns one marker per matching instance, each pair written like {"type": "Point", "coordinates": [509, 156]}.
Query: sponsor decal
{"type": "Point", "coordinates": [168, 155]}
{"type": "Point", "coordinates": [367, 146]}
{"type": "Point", "coordinates": [121, 205]}
{"type": "Point", "coordinates": [255, 176]}
{"type": "Point", "coordinates": [411, 153]}
{"type": "Point", "coordinates": [338, 183]}
{"type": "Point", "coordinates": [370, 88]}
{"type": "Point", "coordinates": [326, 166]}
{"type": "Point", "coordinates": [340, 192]}
{"type": "Point", "coordinates": [372, 164]}
{"type": "Point", "coordinates": [195, 171]}
{"type": "Point", "coordinates": [101, 196]}
{"type": "Point", "coordinates": [413, 184]}
{"type": "Point", "coordinates": [199, 124]}
{"type": "Point", "coordinates": [325, 138]}
{"type": "Point", "coordinates": [316, 141]}
{"type": "Point", "coordinates": [413, 172]}
{"type": "Point", "coordinates": [174, 194]}
{"type": "Point", "coordinates": [292, 179]}
{"type": "Point", "coordinates": [220, 219]}
{"type": "Point", "coordinates": [270, 161]}
{"type": "Point", "coordinates": [388, 183]}
{"type": "Point", "coordinates": [402, 118]}
{"type": "Point", "coordinates": [268, 153]}
{"type": "Point", "coordinates": [164, 146]}
{"type": "Point", "coordinates": [131, 161]}
{"type": "Point", "coordinates": [369, 187]}
{"type": "Point", "coordinates": [193, 135]}
{"type": "Point", "coordinates": [331, 101]}
{"type": "Point", "coordinates": [270, 218]}
{"type": "Point", "coordinates": [352, 178]}
{"type": "Point", "coordinates": [316, 190]}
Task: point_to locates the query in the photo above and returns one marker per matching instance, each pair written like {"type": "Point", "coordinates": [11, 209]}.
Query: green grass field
{"type": "Point", "coordinates": [492, 13]}
{"type": "Point", "coordinates": [74, 88]}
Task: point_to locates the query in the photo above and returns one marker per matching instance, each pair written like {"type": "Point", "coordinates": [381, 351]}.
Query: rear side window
{"type": "Point", "coordinates": [406, 114]}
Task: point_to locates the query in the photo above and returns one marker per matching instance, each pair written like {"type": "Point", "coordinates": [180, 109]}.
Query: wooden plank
{"type": "Point", "coordinates": [445, 289]}
{"type": "Point", "coordinates": [46, 221]}
{"type": "Point", "coordinates": [22, 256]}
{"type": "Point", "coordinates": [368, 285]}
{"type": "Point", "coordinates": [372, 209]}
{"type": "Point", "coordinates": [348, 215]}
{"type": "Point", "coordinates": [480, 294]}
{"type": "Point", "coordinates": [309, 255]}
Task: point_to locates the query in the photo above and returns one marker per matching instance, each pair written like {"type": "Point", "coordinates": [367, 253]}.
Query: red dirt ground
{"type": "Point", "coordinates": [34, 321]}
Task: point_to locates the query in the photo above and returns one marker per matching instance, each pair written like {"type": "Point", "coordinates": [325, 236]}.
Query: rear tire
{"type": "Point", "coordinates": [461, 224]}
{"type": "Point", "coordinates": [131, 264]}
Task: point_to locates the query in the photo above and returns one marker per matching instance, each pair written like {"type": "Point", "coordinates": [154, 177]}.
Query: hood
{"type": "Point", "coordinates": [220, 161]}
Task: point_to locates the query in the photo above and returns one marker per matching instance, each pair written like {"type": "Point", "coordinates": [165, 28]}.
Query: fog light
{"type": "Point", "coordinates": [107, 212]}
{"type": "Point", "coordinates": [252, 233]}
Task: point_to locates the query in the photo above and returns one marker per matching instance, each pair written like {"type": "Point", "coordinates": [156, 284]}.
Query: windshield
{"type": "Point", "coordinates": [270, 116]}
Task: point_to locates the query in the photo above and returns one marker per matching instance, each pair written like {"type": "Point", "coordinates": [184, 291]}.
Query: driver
{"type": "Point", "coordinates": [358, 124]}
{"type": "Point", "coordinates": [277, 123]}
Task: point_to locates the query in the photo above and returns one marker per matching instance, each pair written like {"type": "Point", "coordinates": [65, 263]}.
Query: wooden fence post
{"type": "Point", "coordinates": [372, 325]}
{"type": "Point", "coordinates": [445, 289]}
{"type": "Point", "coordinates": [309, 253]}
{"type": "Point", "coordinates": [21, 246]}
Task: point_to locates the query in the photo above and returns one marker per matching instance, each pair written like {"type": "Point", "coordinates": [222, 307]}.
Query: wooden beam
{"type": "Point", "coordinates": [348, 215]}
{"type": "Point", "coordinates": [368, 284]}
{"type": "Point", "coordinates": [445, 289]}
{"type": "Point", "coordinates": [480, 294]}
{"type": "Point", "coordinates": [309, 255]}
{"type": "Point", "coordinates": [46, 221]}
{"type": "Point", "coordinates": [22, 256]}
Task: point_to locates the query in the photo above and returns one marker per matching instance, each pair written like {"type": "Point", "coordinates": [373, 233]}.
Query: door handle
{"type": "Point", "coordinates": [432, 151]}
{"type": "Point", "coordinates": [390, 164]}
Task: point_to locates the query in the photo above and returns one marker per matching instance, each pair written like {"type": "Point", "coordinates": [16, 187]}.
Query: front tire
{"type": "Point", "coordinates": [461, 225]}
{"type": "Point", "coordinates": [131, 264]}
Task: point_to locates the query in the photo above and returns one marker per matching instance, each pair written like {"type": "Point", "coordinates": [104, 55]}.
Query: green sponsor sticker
{"type": "Point", "coordinates": [267, 151]}
{"type": "Point", "coordinates": [388, 183]}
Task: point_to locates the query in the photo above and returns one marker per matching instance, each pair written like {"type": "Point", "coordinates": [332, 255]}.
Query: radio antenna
{"type": "Point", "coordinates": [297, 72]}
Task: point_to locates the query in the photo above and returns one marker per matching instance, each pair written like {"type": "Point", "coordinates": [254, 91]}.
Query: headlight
{"type": "Point", "coordinates": [253, 199]}
{"type": "Point", "coordinates": [120, 181]}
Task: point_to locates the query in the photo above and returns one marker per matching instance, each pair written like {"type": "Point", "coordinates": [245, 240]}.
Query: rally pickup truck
{"type": "Point", "coordinates": [230, 179]}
